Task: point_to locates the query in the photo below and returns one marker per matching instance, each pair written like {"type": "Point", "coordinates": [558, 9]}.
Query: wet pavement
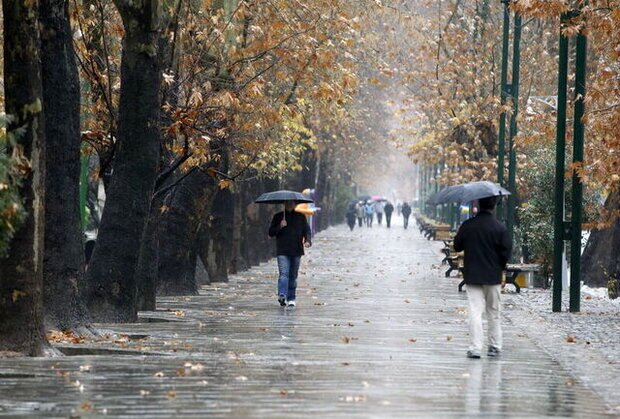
{"type": "Point", "coordinates": [378, 332]}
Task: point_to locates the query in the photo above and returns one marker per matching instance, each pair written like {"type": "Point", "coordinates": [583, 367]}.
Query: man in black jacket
{"type": "Point", "coordinates": [389, 209]}
{"type": "Point", "coordinates": [487, 247]}
{"type": "Point", "coordinates": [292, 233]}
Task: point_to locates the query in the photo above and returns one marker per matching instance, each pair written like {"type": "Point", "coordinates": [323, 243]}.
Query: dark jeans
{"type": "Point", "coordinates": [379, 217]}
{"type": "Point", "coordinates": [406, 220]}
{"type": "Point", "coordinates": [388, 219]}
{"type": "Point", "coordinates": [287, 281]}
{"type": "Point", "coordinates": [359, 221]}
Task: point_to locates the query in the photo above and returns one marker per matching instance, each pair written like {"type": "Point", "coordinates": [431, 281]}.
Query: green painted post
{"type": "Point", "coordinates": [512, 161]}
{"type": "Point", "coordinates": [436, 189]}
{"type": "Point", "coordinates": [503, 96]}
{"type": "Point", "coordinates": [577, 187]}
{"type": "Point", "coordinates": [423, 188]}
{"type": "Point", "coordinates": [560, 156]}
{"type": "Point", "coordinates": [501, 146]}
{"type": "Point", "coordinates": [428, 190]}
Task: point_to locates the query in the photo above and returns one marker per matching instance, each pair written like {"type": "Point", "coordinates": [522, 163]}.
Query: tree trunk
{"type": "Point", "coordinates": [184, 210]}
{"type": "Point", "coordinates": [63, 261]}
{"type": "Point", "coordinates": [111, 286]}
{"type": "Point", "coordinates": [218, 236]}
{"type": "Point", "coordinates": [600, 262]}
{"type": "Point", "coordinates": [237, 262]}
{"type": "Point", "coordinates": [146, 270]}
{"type": "Point", "coordinates": [251, 243]}
{"type": "Point", "coordinates": [21, 280]}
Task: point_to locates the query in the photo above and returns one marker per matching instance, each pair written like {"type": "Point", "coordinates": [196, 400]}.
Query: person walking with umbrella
{"type": "Point", "coordinates": [350, 215]}
{"type": "Point", "coordinates": [359, 212]}
{"type": "Point", "coordinates": [292, 234]}
{"type": "Point", "coordinates": [389, 209]}
{"type": "Point", "coordinates": [487, 246]}
{"type": "Point", "coordinates": [406, 211]}
{"type": "Point", "coordinates": [369, 213]}
{"type": "Point", "coordinates": [379, 208]}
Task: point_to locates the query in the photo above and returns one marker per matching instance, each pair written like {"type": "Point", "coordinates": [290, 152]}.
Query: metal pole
{"type": "Point", "coordinates": [512, 161]}
{"type": "Point", "coordinates": [577, 187]}
{"type": "Point", "coordinates": [436, 189]}
{"type": "Point", "coordinates": [429, 173]}
{"type": "Point", "coordinates": [501, 146]}
{"type": "Point", "coordinates": [424, 189]}
{"type": "Point", "coordinates": [560, 155]}
{"type": "Point", "coordinates": [503, 96]}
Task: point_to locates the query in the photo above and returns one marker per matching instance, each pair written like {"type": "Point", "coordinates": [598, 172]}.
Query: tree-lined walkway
{"type": "Point", "coordinates": [378, 332]}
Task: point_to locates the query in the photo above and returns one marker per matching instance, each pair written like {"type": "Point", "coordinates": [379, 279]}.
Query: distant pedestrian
{"type": "Point", "coordinates": [388, 209]}
{"type": "Point", "coordinates": [369, 213]}
{"type": "Point", "coordinates": [351, 215]}
{"type": "Point", "coordinates": [359, 211]}
{"type": "Point", "coordinates": [406, 211]}
{"type": "Point", "coordinates": [379, 208]}
{"type": "Point", "coordinates": [487, 248]}
{"type": "Point", "coordinates": [292, 233]}
{"type": "Point", "coordinates": [399, 207]}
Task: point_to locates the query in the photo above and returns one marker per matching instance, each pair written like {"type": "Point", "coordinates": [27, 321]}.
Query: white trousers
{"type": "Point", "coordinates": [484, 298]}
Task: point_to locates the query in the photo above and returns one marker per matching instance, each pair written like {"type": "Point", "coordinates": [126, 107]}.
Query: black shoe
{"type": "Point", "coordinates": [493, 351]}
{"type": "Point", "coordinates": [472, 354]}
{"type": "Point", "coordinates": [282, 301]}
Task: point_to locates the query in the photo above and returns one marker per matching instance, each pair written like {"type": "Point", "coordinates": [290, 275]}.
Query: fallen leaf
{"type": "Point", "coordinates": [86, 406]}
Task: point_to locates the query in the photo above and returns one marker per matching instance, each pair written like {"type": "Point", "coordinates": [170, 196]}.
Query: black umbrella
{"type": "Point", "coordinates": [280, 197]}
{"type": "Point", "coordinates": [467, 192]}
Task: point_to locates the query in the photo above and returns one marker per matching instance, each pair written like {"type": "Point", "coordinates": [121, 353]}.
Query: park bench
{"type": "Point", "coordinates": [442, 232]}
{"type": "Point", "coordinates": [432, 229]}
{"type": "Point", "coordinates": [516, 274]}
{"type": "Point", "coordinates": [453, 258]}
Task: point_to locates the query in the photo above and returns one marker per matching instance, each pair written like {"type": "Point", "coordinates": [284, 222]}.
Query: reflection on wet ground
{"type": "Point", "coordinates": [377, 332]}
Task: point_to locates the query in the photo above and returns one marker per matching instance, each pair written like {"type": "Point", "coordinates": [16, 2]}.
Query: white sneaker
{"type": "Point", "coordinates": [291, 303]}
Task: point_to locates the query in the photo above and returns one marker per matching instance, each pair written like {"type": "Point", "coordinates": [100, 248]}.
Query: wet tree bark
{"type": "Point", "coordinates": [323, 188]}
{"type": "Point", "coordinates": [184, 210]}
{"type": "Point", "coordinates": [111, 287]}
{"type": "Point", "coordinates": [21, 280]}
{"type": "Point", "coordinates": [146, 270]}
{"type": "Point", "coordinates": [237, 261]}
{"type": "Point", "coordinates": [63, 262]}
{"type": "Point", "coordinates": [216, 236]}
{"type": "Point", "coordinates": [600, 262]}
{"type": "Point", "coordinates": [266, 244]}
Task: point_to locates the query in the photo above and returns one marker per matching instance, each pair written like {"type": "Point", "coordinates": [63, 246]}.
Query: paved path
{"type": "Point", "coordinates": [378, 332]}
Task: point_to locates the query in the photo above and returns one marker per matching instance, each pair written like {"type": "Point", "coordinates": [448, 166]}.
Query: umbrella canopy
{"type": "Point", "coordinates": [467, 192]}
{"type": "Point", "coordinates": [378, 198]}
{"type": "Point", "coordinates": [363, 198]}
{"type": "Point", "coordinates": [280, 197]}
